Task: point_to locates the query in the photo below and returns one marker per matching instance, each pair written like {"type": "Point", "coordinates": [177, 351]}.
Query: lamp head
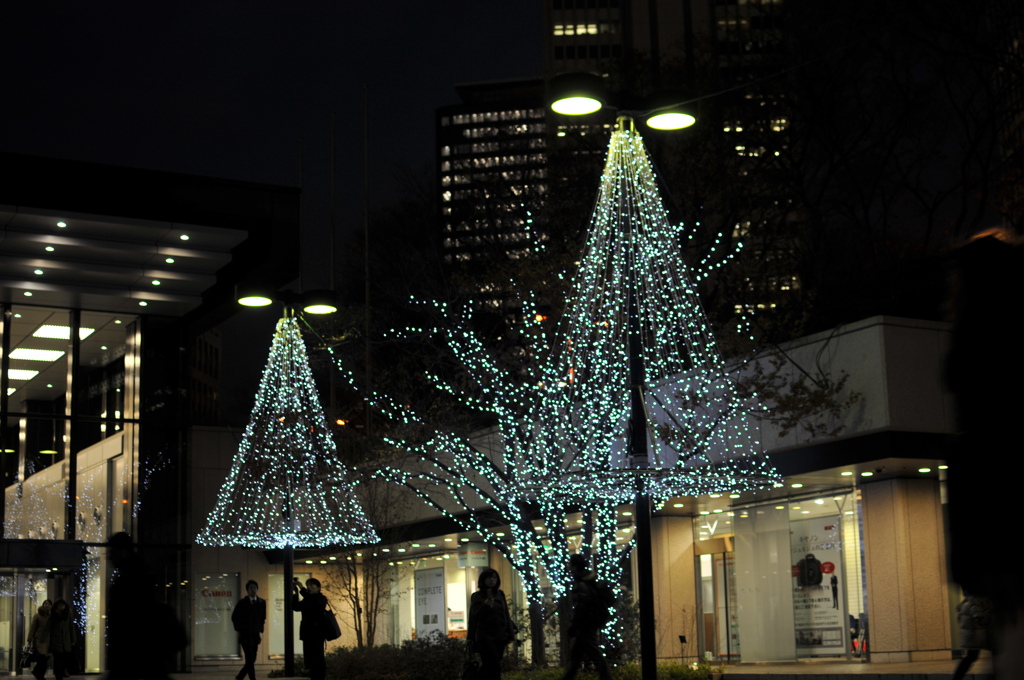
{"type": "Point", "coordinates": [671, 110]}
{"type": "Point", "coordinates": [576, 94]}
{"type": "Point", "coordinates": [319, 302]}
{"type": "Point", "coordinates": [254, 294]}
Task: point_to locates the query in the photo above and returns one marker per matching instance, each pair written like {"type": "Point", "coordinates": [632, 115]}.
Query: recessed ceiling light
{"type": "Point", "coordinates": [846, 473]}
{"type": "Point", "coordinates": [867, 474]}
{"type": "Point", "coordinates": [184, 237]}
{"type": "Point", "coordinates": [29, 354]}
{"type": "Point", "coordinates": [38, 272]}
{"type": "Point", "coordinates": [143, 303]}
{"type": "Point", "coordinates": [156, 282]}
{"type": "Point", "coordinates": [924, 470]}
{"type": "Point", "coordinates": [103, 347]}
{"type": "Point", "coordinates": [53, 332]}
{"type": "Point", "coordinates": [62, 224]}
{"type": "Point", "coordinates": [50, 249]}
{"type": "Point", "coordinates": [798, 485]}
{"type": "Point", "coordinates": [169, 260]}
{"type": "Point", "coordinates": [943, 467]}
{"type": "Point", "coordinates": [28, 293]}
{"type": "Point", "coordinates": [21, 374]}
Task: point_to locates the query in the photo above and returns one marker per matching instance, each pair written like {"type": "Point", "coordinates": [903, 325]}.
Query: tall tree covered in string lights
{"type": "Point", "coordinates": [698, 431]}
{"type": "Point", "coordinates": [556, 444]}
{"type": "Point", "coordinates": [287, 486]}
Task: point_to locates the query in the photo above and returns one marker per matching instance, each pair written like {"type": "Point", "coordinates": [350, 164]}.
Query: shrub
{"type": "Point", "coordinates": [631, 671]}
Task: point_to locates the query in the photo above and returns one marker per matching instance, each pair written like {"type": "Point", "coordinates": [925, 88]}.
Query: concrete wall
{"type": "Point", "coordinates": [674, 586]}
{"type": "Point", "coordinates": [905, 567]}
{"type": "Point", "coordinates": [893, 364]}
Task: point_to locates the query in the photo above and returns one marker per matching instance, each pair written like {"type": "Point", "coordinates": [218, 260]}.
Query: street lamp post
{"type": "Point", "coordinates": [580, 94]}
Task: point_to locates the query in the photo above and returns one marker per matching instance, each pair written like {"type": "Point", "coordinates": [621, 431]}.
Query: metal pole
{"type": "Point", "coordinates": [639, 459]}
{"type": "Point", "coordinates": [289, 615]}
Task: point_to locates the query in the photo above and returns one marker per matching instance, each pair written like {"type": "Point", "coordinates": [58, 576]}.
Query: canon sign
{"type": "Point", "coordinates": [206, 592]}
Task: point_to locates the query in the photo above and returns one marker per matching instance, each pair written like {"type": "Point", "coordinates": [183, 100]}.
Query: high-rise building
{"type": "Point", "coordinates": [492, 170]}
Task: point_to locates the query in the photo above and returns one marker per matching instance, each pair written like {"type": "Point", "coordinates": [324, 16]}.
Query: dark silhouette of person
{"type": "Point", "coordinates": [588, 613]}
{"type": "Point", "coordinates": [248, 618]}
{"type": "Point", "coordinates": [37, 637]}
{"type": "Point", "coordinates": [984, 373]}
{"type": "Point", "coordinates": [974, 617]}
{"type": "Point", "coordinates": [834, 582]}
{"type": "Point", "coordinates": [311, 629]}
{"type": "Point", "coordinates": [490, 627]}
{"type": "Point", "coordinates": [60, 634]}
{"type": "Point", "coordinates": [142, 631]}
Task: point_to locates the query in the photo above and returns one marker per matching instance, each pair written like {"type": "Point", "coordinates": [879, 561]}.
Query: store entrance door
{"type": "Point", "coordinates": [21, 594]}
{"type": "Point", "coordinates": [719, 629]}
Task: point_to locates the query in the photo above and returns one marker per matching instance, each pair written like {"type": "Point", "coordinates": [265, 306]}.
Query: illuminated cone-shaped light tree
{"type": "Point", "coordinates": [287, 486]}
{"type": "Point", "coordinates": [653, 406]}
{"type": "Point", "coordinates": [633, 272]}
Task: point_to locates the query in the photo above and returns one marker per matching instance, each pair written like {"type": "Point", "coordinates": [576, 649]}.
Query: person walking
{"type": "Point", "coordinates": [311, 629]}
{"type": "Point", "coordinates": [60, 634]}
{"type": "Point", "coordinates": [974, 616]}
{"type": "Point", "coordinates": [37, 637]}
{"type": "Point", "coordinates": [248, 618]}
{"type": "Point", "coordinates": [589, 614]}
{"type": "Point", "coordinates": [490, 627]}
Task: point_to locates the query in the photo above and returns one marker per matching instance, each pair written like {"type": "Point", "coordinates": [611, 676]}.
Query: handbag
{"type": "Point", "coordinates": [332, 631]}
{"type": "Point", "coordinates": [471, 666]}
{"type": "Point", "coordinates": [28, 655]}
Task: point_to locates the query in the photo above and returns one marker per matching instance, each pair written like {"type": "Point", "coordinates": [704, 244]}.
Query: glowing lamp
{"type": "Point", "coordinates": [319, 302]}
{"type": "Point", "coordinates": [671, 120]}
{"type": "Point", "coordinates": [254, 295]}
{"type": "Point", "coordinates": [576, 94]}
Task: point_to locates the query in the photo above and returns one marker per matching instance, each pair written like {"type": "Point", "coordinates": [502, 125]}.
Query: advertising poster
{"type": "Point", "coordinates": [279, 606]}
{"type": "Point", "coordinates": [818, 611]}
{"type": "Point", "coordinates": [473, 555]}
{"type": "Point", "coordinates": [430, 608]}
{"type": "Point", "coordinates": [214, 600]}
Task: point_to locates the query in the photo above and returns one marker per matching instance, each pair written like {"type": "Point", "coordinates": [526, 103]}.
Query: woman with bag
{"type": "Point", "coordinates": [60, 629]}
{"type": "Point", "coordinates": [313, 606]}
{"type": "Point", "coordinates": [37, 639]}
{"type": "Point", "coordinates": [490, 627]}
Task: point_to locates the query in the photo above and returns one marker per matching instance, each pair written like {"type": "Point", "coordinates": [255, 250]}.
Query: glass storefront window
{"type": "Point", "coordinates": [215, 597]}
{"type": "Point", "coordinates": [70, 395]}
{"type": "Point", "coordinates": [798, 588]}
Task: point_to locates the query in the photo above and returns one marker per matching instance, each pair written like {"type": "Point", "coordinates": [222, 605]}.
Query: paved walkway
{"type": "Point", "coordinates": [820, 670]}
{"type": "Point", "coordinates": [828, 670]}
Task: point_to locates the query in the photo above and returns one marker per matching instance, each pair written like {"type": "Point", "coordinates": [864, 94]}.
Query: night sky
{"type": "Point", "coordinates": [244, 90]}
{"type": "Point", "coordinates": [236, 89]}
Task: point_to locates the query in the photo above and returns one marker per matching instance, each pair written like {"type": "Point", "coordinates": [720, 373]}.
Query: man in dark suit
{"type": "Point", "coordinates": [248, 618]}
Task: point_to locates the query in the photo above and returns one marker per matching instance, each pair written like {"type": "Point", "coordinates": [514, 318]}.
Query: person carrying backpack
{"type": "Point", "coordinates": [591, 601]}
